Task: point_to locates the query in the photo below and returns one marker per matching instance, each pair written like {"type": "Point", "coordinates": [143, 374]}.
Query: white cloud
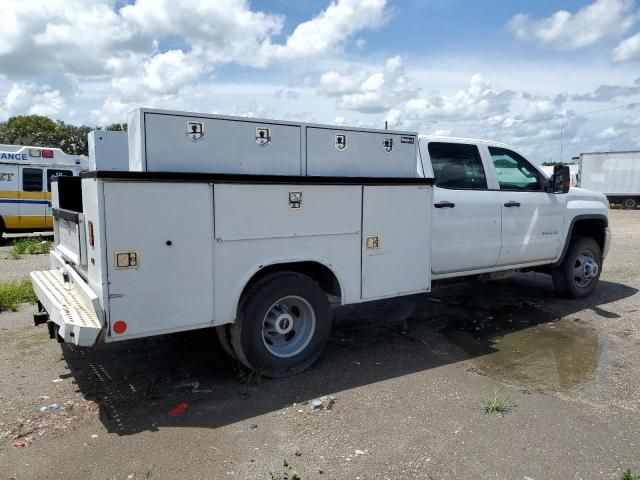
{"type": "Point", "coordinates": [339, 21]}
{"type": "Point", "coordinates": [609, 133]}
{"type": "Point", "coordinates": [628, 49]}
{"type": "Point", "coordinates": [480, 100]}
{"type": "Point", "coordinates": [569, 31]}
{"type": "Point", "coordinates": [92, 37]}
{"type": "Point", "coordinates": [163, 73]}
{"type": "Point", "coordinates": [32, 99]}
{"type": "Point", "coordinates": [368, 92]}
{"type": "Point", "coordinates": [607, 93]}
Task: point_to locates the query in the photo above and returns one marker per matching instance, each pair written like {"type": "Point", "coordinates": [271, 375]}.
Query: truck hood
{"type": "Point", "coordinates": [588, 201]}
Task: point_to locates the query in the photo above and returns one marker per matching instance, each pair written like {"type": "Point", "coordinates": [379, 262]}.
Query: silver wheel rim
{"type": "Point", "coordinates": [288, 326]}
{"type": "Point", "coordinates": [585, 269]}
{"type": "Point", "coordinates": [629, 203]}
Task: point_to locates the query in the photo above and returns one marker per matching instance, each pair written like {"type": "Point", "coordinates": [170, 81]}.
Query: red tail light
{"type": "Point", "coordinates": [47, 153]}
{"type": "Point", "coordinates": [91, 238]}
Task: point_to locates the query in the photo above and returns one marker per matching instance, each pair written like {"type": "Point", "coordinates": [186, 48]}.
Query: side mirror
{"type": "Point", "coordinates": [561, 179]}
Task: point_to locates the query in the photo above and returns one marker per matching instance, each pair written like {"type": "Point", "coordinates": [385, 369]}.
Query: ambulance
{"type": "Point", "coordinates": [25, 185]}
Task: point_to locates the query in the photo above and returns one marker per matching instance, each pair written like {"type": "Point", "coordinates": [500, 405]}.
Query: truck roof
{"type": "Point", "coordinates": [29, 155]}
{"type": "Point", "coordinates": [443, 138]}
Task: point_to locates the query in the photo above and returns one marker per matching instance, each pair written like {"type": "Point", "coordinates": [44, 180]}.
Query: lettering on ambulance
{"type": "Point", "coordinates": [13, 156]}
{"type": "Point", "coordinates": [9, 210]}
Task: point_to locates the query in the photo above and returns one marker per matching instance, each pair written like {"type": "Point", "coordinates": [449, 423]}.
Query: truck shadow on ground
{"type": "Point", "coordinates": [137, 383]}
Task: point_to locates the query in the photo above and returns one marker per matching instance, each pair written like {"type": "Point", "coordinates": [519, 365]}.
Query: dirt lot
{"type": "Point", "coordinates": [409, 378]}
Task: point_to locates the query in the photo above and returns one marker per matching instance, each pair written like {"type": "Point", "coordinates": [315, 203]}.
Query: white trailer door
{"type": "Point", "coordinates": [167, 231]}
{"type": "Point", "coordinates": [396, 243]}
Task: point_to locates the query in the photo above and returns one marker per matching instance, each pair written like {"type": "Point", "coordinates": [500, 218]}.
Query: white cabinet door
{"type": "Point", "coordinates": [159, 239]}
{"type": "Point", "coordinates": [396, 224]}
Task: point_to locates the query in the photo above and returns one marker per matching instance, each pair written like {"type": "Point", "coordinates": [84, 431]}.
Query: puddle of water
{"type": "Point", "coordinates": [559, 355]}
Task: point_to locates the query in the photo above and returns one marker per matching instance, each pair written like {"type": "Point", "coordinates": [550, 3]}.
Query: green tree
{"type": "Point", "coordinates": [76, 142]}
{"type": "Point", "coordinates": [116, 127]}
{"type": "Point", "coordinates": [33, 130]}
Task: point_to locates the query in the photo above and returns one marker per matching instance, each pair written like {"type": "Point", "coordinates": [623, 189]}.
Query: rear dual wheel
{"type": "Point", "coordinates": [283, 324]}
{"type": "Point", "coordinates": [630, 203]}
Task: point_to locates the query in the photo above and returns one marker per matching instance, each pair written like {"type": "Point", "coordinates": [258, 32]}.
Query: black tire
{"type": "Point", "coordinates": [250, 342]}
{"type": "Point", "coordinates": [630, 203]}
{"type": "Point", "coordinates": [224, 338]}
{"type": "Point", "coordinates": [583, 254]}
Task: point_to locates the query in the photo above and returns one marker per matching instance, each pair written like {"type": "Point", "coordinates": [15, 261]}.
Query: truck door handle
{"type": "Point", "coordinates": [444, 204]}
{"type": "Point", "coordinates": [512, 204]}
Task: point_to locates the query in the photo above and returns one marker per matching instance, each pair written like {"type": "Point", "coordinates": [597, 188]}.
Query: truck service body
{"type": "Point", "coordinates": [257, 223]}
{"type": "Point", "coordinates": [25, 187]}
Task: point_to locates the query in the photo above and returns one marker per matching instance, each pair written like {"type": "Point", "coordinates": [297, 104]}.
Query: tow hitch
{"type": "Point", "coordinates": [42, 316]}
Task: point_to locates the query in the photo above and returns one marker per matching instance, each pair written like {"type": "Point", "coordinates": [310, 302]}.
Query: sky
{"type": "Point", "coordinates": [553, 78]}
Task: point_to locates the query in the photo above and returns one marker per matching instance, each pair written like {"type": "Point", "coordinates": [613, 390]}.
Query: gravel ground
{"type": "Point", "coordinates": [402, 385]}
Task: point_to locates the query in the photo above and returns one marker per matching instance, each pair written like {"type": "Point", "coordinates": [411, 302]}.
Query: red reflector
{"type": "Point", "coordinates": [47, 153]}
{"type": "Point", "coordinates": [91, 238]}
{"type": "Point", "coordinates": [119, 327]}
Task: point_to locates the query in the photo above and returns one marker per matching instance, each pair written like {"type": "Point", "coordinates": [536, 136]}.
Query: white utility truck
{"type": "Point", "coordinates": [25, 185]}
{"type": "Point", "coordinates": [616, 174]}
{"type": "Point", "coordinates": [251, 226]}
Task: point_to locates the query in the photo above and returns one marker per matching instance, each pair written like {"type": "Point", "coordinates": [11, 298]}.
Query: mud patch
{"type": "Point", "coordinates": [565, 354]}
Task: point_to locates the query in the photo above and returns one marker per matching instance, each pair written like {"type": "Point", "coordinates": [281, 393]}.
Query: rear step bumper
{"type": "Point", "coordinates": [70, 303]}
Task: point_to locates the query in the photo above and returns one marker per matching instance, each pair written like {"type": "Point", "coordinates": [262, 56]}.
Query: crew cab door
{"type": "Point", "coordinates": [466, 214]}
{"type": "Point", "coordinates": [532, 219]}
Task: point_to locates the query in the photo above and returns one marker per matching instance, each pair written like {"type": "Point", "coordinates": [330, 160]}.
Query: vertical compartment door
{"type": "Point", "coordinates": [396, 240]}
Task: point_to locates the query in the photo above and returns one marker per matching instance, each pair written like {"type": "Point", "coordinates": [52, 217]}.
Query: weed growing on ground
{"type": "Point", "coordinates": [13, 293]}
{"type": "Point", "coordinates": [628, 475]}
{"type": "Point", "coordinates": [32, 246]}
{"type": "Point", "coordinates": [287, 472]}
{"type": "Point", "coordinates": [496, 405]}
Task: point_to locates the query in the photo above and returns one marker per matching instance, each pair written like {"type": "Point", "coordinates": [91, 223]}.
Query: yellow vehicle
{"type": "Point", "coordinates": [25, 185]}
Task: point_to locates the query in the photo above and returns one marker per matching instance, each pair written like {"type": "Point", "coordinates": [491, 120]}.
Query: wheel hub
{"type": "Point", "coordinates": [586, 269]}
{"type": "Point", "coordinates": [288, 326]}
{"type": "Point", "coordinates": [589, 269]}
{"type": "Point", "coordinates": [284, 323]}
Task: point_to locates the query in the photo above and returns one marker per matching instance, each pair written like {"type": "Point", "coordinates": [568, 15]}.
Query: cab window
{"type": "Point", "coordinates": [54, 172]}
{"type": "Point", "coordinates": [32, 179]}
{"type": "Point", "coordinates": [457, 166]}
{"type": "Point", "coordinates": [514, 171]}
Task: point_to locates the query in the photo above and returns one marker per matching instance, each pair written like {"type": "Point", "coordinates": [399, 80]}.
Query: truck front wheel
{"type": "Point", "coordinates": [282, 326]}
{"type": "Point", "coordinates": [579, 272]}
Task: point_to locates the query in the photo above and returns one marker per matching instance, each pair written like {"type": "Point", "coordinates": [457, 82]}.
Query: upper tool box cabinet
{"type": "Point", "coordinates": [168, 141]}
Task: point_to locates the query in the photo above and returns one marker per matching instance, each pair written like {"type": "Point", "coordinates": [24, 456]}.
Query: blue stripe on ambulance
{"type": "Point", "coordinates": [12, 200]}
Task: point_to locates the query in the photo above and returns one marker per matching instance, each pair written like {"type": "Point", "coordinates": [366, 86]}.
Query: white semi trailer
{"type": "Point", "coordinates": [250, 226]}
{"type": "Point", "coordinates": [616, 174]}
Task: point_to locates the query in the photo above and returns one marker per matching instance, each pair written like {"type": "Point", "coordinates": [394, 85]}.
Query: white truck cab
{"type": "Point", "coordinates": [494, 210]}
{"type": "Point", "coordinates": [250, 225]}
{"type": "Point", "coordinates": [25, 185]}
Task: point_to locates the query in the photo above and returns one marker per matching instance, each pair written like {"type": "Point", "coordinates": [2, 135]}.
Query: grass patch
{"type": "Point", "coordinates": [31, 246]}
{"type": "Point", "coordinates": [13, 293]}
{"type": "Point", "coordinates": [628, 475]}
{"type": "Point", "coordinates": [496, 405]}
{"type": "Point", "coordinates": [286, 473]}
